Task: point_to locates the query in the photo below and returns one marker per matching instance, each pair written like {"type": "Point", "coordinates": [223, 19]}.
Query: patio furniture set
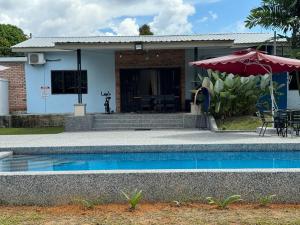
{"type": "Point", "coordinates": [157, 103]}
{"type": "Point", "coordinates": [284, 121]}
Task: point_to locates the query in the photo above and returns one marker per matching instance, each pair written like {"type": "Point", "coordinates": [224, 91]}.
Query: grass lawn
{"type": "Point", "coordinates": [239, 123]}
{"type": "Point", "coordinates": [20, 131]}
{"type": "Point", "coordinates": [158, 214]}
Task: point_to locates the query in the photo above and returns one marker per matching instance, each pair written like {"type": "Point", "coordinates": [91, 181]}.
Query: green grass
{"type": "Point", "coordinates": [239, 123]}
{"type": "Point", "coordinates": [20, 218]}
{"type": "Point", "coordinates": [22, 131]}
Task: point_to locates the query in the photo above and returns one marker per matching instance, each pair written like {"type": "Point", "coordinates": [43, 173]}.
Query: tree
{"type": "Point", "coordinates": [283, 15]}
{"type": "Point", "coordinates": [10, 35]}
{"type": "Point", "coordinates": [145, 30]}
{"type": "Point", "coordinates": [278, 14]}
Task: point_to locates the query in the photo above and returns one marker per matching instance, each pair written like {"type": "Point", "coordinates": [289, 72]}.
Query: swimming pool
{"type": "Point", "coordinates": [152, 160]}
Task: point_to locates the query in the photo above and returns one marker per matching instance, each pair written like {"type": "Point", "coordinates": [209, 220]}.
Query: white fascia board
{"type": "Point", "coordinates": [146, 45]}
{"type": "Point", "coordinates": [13, 59]}
{"type": "Point", "coordinates": [39, 49]}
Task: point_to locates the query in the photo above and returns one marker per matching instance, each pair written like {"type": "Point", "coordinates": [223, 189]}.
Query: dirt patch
{"type": "Point", "coordinates": [159, 213]}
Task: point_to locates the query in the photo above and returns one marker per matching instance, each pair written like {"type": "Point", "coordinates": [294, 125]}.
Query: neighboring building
{"type": "Point", "coordinates": [128, 67]}
{"type": "Point", "coordinates": [16, 82]}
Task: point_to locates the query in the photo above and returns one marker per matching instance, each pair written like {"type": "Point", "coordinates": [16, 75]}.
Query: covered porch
{"type": "Point", "coordinates": [150, 77]}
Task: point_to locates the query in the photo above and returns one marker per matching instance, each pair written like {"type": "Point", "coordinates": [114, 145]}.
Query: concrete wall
{"type": "Point", "coordinates": [46, 188]}
{"type": "Point", "coordinates": [100, 66]}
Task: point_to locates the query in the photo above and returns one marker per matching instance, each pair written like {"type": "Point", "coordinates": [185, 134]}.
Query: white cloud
{"type": "Point", "coordinates": [203, 1]}
{"type": "Point", "coordinates": [127, 27]}
{"type": "Point", "coordinates": [173, 18]}
{"type": "Point", "coordinates": [203, 19]}
{"type": "Point", "coordinates": [237, 27]}
{"type": "Point", "coordinates": [213, 15]}
{"type": "Point", "coordinates": [89, 17]}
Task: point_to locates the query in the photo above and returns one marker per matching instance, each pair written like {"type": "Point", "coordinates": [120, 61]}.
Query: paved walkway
{"type": "Point", "coordinates": [154, 137]}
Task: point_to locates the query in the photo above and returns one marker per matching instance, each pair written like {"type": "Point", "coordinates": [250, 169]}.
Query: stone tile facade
{"type": "Point", "coordinates": [173, 58]}
{"type": "Point", "coordinates": [17, 87]}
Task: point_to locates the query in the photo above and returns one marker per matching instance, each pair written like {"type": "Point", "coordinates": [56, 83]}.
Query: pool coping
{"type": "Point", "coordinates": [148, 171]}
{"type": "Point", "coordinates": [152, 148]}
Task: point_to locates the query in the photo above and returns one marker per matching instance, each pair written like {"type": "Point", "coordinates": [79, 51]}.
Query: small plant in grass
{"type": "Point", "coordinates": [133, 199]}
{"type": "Point", "coordinates": [176, 203]}
{"type": "Point", "coordinates": [265, 200]}
{"type": "Point", "coordinates": [88, 203]}
{"type": "Point", "coordinates": [223, 203]}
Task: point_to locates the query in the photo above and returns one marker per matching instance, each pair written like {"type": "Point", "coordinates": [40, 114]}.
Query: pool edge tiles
{"type": "Point", "coordinates": [152, 148]}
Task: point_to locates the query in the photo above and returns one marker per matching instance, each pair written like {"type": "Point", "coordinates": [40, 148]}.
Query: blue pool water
{"type": "Point", "coordinates": [153, 160]}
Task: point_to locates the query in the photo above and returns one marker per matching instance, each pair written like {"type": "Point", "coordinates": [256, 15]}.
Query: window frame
{"type": "Point", "coordinates": [84, 79]}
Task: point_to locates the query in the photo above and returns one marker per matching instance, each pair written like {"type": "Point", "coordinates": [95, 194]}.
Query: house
{"type": "Point", "coordinates": [129, 67]}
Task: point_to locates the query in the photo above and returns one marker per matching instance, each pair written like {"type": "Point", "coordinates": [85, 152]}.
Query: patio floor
{"type": "Point", "coordinates": [153, 137]}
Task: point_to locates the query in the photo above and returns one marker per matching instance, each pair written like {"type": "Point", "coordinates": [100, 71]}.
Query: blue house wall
{"type": "Point", "coordinates": [100, 66]}
{"type": "Point", "coordinates": [281, 100]}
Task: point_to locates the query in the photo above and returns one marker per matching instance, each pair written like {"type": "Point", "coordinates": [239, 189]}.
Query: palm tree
{"type": "Point", "coordinates": [283, 15]}
{"type": "Point", "coordinates": [278, 14]}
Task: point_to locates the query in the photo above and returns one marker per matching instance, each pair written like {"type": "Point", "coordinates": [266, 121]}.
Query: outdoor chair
{"type": "Point", "coordinates": [159, 103]}
{"type": "Point", "coordinates": [170, 103]}
{"type": "Point", "coordinates": [295, 122]}
{"type": "Point", "coordinates": [147, 103]}
{"type": "Point", "coordinates": [281, 122]}
{"type": "Point", "coordinates": [265, 122]}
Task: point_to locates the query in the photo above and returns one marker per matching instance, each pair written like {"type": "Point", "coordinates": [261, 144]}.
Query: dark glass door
{"type": "Point", "coordinates": [137, 84]}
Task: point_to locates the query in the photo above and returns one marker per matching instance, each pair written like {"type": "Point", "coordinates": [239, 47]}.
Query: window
{"type": "Point", "coordinates": [293, 82]}
{"type": "Point", "coordinates": [66, 81]}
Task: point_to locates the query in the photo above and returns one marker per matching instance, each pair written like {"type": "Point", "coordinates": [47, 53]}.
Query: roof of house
{"type": "Point", "coordinates": [236, 38]}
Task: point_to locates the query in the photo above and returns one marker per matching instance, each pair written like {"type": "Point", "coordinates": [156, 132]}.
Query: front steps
{"type": "Point", "coordinates": [138, 121]}
{"type": "Point", "coordinates": [135, 121]}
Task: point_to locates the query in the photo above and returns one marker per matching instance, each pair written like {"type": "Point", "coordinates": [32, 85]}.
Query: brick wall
{"type": "Point", "coordinates": [17, 89]}
{"type": "Point", "coordinates": [150, 59]}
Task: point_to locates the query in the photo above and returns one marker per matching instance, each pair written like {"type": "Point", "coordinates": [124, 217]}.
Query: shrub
{"type": "Point", "coordinates": [133, 199]}
{"type": "Point", "coordinates": [87, 203]}
{"type": "Point", "coordinates": [266, 200]}
{"type": "Point", "coordinates": [223, 203]}
{"type": "Point", "coordinates": [233, 95]}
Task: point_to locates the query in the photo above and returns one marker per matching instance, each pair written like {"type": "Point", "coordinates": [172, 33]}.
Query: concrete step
{"type": "Point", "coordinates": [139, 125]}
{"type": "Point", "coordinates": [137, 121]}
{"type": "Point", "coordinates": [138, 116]}
{"type": "Point", "coordinates": [134, 128]}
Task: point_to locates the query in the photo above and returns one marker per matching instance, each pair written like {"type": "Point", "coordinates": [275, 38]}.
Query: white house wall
{"type": "Point", "coordinates": [293, 99]}
{"type": "Point", "coordinates": [100, 66]}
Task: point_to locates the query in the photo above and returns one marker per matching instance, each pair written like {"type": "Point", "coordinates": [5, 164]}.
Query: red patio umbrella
{"type": "Point", "coordinates": [250, 62]}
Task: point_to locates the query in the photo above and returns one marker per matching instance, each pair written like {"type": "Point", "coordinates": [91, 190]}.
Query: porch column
{"type": "Point", "coordinates": [79, 76]}
{"type": "Point", "coordinates": [79, 108]}
{"type": "Point", "coordinates": [195, 59]}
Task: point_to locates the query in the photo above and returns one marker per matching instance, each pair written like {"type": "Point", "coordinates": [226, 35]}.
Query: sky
{"type": "Point", "coordinates": [123, 17]}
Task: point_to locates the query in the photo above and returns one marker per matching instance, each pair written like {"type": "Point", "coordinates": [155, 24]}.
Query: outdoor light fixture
{"type": "Point", "coordinates": [138, 46]}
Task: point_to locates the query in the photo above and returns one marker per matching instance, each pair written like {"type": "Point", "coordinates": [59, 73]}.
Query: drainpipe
{"type": "Point", "coordinates": [79, 91]}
